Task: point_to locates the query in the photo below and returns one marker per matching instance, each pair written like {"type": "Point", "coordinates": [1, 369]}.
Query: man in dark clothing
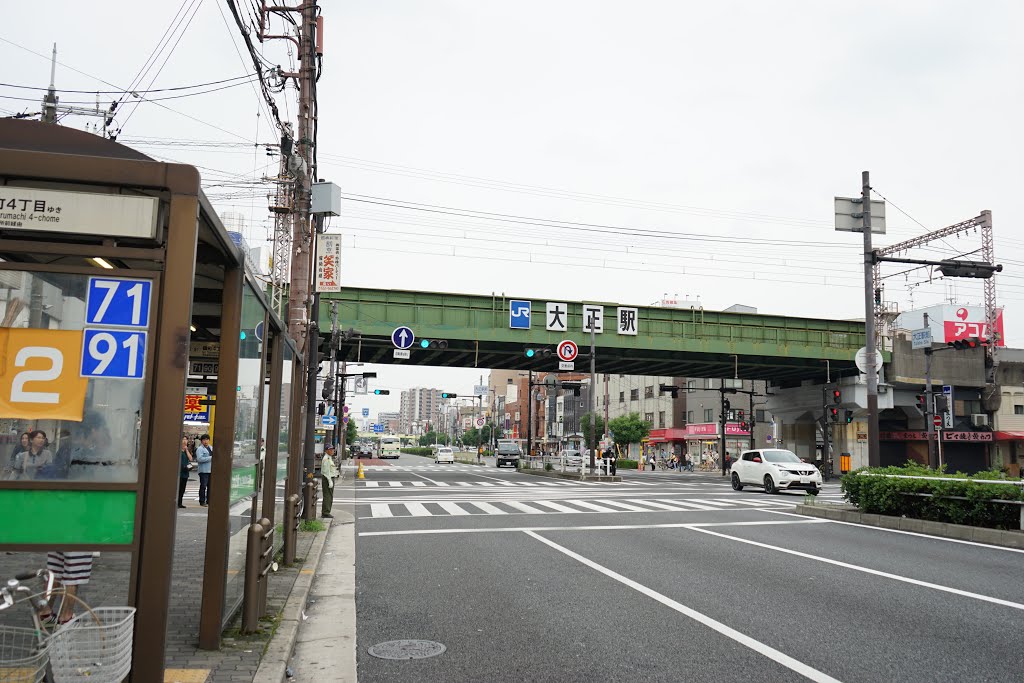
{"type": "Point", "coordinates": [609, 455]}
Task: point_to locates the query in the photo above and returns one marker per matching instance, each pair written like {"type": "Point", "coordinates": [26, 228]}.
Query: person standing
{"type": "Point", "coordinates": [328, 471]}
{"type": "Point", "coordinates": [204, 456]}
{"type": "Point", "coordinates": [35, 461]}
{"type": "Point", "coordinates": [23, 446]}
{"type": "Point", "coordinates": [185, 464]}
{"type": "Point", "coordinates": [610, 457]}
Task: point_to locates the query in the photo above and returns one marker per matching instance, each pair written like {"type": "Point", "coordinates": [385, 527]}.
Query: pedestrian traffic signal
{"type": "Point", "coordinates": [833, 414]}
{"type": "Point", "coordinates": [849, 416]}
{"type": "Point", "coordinates": [837, 396]}
{"type": "Point", "coordinates": [381, 392]}
{"type": "Point", "coordinates": [445, 394]}
{"type": "Point", "coordinates": [433, 344]}
{"type": "Point", "coordinates": [961, 344]}
{"type": "Point", "coordinates": [328, 388]}
{"type": "Point", "coordinates": [744, 426]}
{"type": "Point", "coordinates": [538, 352]}
{"type": "Point", "coordinates": [921, 402]}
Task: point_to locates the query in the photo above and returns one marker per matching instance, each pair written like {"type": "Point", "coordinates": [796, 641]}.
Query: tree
{"type": "Point", "coordinates": [585, 420]}
{"type": "Point", "coordinates": [629, 429]}
{"type": "Point", "coordinates": [351, 433]}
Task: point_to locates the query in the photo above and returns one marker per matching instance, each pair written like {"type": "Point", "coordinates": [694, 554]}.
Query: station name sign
{"type": "Point", "coordinates": [79, 213]}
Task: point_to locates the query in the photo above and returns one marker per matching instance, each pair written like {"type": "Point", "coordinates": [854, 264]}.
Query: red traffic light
{"type": "Point", "coordinates": [837, 396]}
{"type": "Point", "coordinates": [969, 343]}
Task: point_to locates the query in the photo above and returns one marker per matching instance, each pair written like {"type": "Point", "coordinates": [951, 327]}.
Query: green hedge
{"type": "Point", "coordinates": [418, 450]}
{"type": "Point", "coordinates": [884, 496]}
{"type": "Point", "coordinates": [624, 464]}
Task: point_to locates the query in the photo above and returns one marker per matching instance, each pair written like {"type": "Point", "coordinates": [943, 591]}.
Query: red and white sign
{"type": "Point", "coordinates": [937, 421]}
{"type": "Point", "coordinates": [969, 321]}
{"type": "Point", "coordinates": [567, 350]}
{"type": "Point", "coordinates": [711, 429]}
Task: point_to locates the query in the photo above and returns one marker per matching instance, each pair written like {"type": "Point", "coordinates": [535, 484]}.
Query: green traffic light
{"type": "Point", "coordinates": [530, 353]}
{"type": "Point", "coordinates": [424, 343]}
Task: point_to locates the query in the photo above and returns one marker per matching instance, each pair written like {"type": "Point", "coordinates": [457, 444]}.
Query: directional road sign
{"type": "Point", "coordinates": [329, 420]}
{"type": "Point", "coordinates": [402, 337]}
{"type": "Point", "coordinates": [567, 350]}
{"type": "Point", "coordinates": [366, 412]}
{"type": "Point", "coordinates": [947, 389]}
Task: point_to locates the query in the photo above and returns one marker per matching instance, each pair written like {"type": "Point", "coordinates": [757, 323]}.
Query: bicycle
{"type": "Point", "coordinates": [92, 646]}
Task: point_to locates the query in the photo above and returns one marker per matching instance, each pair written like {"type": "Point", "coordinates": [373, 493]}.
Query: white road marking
{"type": "Point", "coordinates": [417, 510]}
{"type": "Point", "coordinates": [489, 509]}
{"type": "Point", "coordinates": [592, 506]}
{"type": "Point", "coordinates": [743, 639]}
{"type": "Point", "coordinates": [453, 508]}
{"type": "Point", "coordinates": [602, 527]}
{"type": "Point", "coordinates": [686, 504]}
{"type": "Point", "coordinates": [867, 570]}
{"type": "Point", "coordinates": [554, 506]}
{"type": "Point", "coordinates": [523, 507]}
{"type": "Point", "coordinates": [663, 506]}
{"type": "Point", "coordinates": [380, 510]}
{"type": "Point", "coordinates": [626, 506]}
{"type": "Point", "coordinates": [372, 484]}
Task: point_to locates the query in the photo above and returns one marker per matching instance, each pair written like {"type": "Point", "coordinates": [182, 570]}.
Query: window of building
{"type": "Point", "coordinates": [649, 418]}
{"type": "Point", "coordinates": [634, 394]}
{"type": "Point", "coordinates": [661, 419]}
{"type": "Point", "coordinates": [691, 385]}
{"type": "Point", "coordinates": [710, 383]}
{"type": "Point", "coordinates": [709, 415]}
{"type": "Point", "coordinates": [689, 417]}
{"type": "Point", "coordinates": [649, 392]}
{"type": "Point", "coordinates": [1018, 410]}
{"type": "Point", "coordinates": [622, 397]}
{"type": "Point", "coordinates": [759, 415]}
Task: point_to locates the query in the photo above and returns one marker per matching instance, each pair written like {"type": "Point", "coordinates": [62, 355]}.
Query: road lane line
{"type": "Point", "coordinates": [663, 506]}
{"type": "Point", "coordinates": [555, 506]}
{"type": "Point", "coordinates": [626, 506]}
{"type": "Point", "coordinates": [701, 618]}
{"type": "Point", "coordinates": [372, 484]}
{"type": "Point", "coordinates": [686, 504]}
{"type": "Point", "coordinates": [418, 483]}
{"type": "Point", "coordinates": [867, 570]}
{"type": "Point", "coordinates": [904, 531]}
{"type": "Point", "coordinates": [380, 510]}
{"type": "Point", "coordinates": [603, 527]}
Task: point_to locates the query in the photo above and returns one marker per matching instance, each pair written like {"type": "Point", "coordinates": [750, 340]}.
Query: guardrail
{"type": "Point", "coordinates": [560, 464]}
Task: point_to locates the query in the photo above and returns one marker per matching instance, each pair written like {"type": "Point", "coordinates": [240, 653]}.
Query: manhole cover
{"type": "Point", "coordinates": [406, 649]}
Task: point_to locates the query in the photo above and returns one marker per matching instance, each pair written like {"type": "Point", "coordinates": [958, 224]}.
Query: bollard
{"type": "Point", "coordinates": [291, 527]}
{"type": "Point", "coordinates": [250, 594]}
{"type": "Point", "coordinates": [359, 472]}
{"type": "Point", "coordinates": [266, 562]}
{"type": "Point", "coordinates": [309, 498]}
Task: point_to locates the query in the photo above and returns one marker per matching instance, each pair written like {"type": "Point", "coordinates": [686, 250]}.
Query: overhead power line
{"type": "Point", "coordinates": [142, 92]}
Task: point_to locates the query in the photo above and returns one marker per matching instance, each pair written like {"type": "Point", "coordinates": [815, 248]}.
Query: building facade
{"type": "Point", "coordinates": [418, 410]}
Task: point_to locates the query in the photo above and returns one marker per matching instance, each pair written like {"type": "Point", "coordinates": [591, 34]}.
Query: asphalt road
{"type": "Point", "coordinates": [664, 577]}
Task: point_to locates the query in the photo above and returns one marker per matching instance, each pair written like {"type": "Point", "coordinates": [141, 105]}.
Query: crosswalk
{"type": "Point", "coordinates": [380, 510]}
{"type": "Point", "coordinates": [370, 484]}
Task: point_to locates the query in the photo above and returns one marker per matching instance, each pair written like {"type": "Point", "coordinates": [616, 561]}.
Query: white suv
{"type": "Point", "coordinates": [444, 454]}
{"type": "Point", "coordinates": [776, 470]}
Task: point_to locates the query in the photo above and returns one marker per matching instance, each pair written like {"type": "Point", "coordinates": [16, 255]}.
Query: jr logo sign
{"type": "Point", "coordinates": [519, 315]}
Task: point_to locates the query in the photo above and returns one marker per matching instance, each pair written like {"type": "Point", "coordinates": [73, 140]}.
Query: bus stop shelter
{"type": "Point", "coordinates": [128, 320]}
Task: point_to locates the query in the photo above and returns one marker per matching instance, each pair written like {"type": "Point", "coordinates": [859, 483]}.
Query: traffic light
{"type": "Point", "coordinates": [328, 389]}
{"type": "Point", "coordinates": [445, 394]}
{"type": "Point", "coordinates": [922, 402]}
{"type": "Point", "coordinates": [744, 426]}
{"type": "Point", "coordinates": [381, 392]}
{"type": "Point", "coordinates": [961, 344]}
{"type": "Point", "coordinates": [669, 389]}
{"type": "Point", "coordinates": [433, 344]}
{"type": "Point", "coordinates": [726, 406]}
{"type": "Point", "coordinates": [537, 353]}
{"type": "Point", "coordinates": [849, 416]}
{"type": "Point", "coordinates": [837, 396]}
{"type": "Point", "coordinates": [833, 414]}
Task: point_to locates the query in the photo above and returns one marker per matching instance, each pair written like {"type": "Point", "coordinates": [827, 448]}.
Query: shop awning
{"type": "Point", "coordinates": [1009, 436]}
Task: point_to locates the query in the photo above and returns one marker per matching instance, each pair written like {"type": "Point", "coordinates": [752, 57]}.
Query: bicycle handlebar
{"type": "Point", "coordinates": [25, 576]}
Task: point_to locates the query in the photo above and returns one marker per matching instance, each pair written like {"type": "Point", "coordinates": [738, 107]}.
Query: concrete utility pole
{"type": "Point", "coordinates": [874, 447]}
{"type": "Point", "coordinates": [929, 405]}
{"type": "Point", "coordinates": [593, 391]}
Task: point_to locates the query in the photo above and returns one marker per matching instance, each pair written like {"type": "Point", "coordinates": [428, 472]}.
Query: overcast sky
{"type": "Point", "coordinates": [695, 122]}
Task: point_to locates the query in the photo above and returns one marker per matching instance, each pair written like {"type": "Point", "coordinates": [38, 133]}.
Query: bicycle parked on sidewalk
{"type": "Point", "coordinates": [92, 647]}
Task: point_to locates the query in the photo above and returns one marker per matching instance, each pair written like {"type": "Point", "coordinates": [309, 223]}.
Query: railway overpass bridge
{"type": "Point", "coordinates": [482, 332]}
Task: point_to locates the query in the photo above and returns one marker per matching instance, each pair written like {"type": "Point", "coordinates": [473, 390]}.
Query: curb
{"type": "Point", "coordinates": [999, 537]}
{"type": "Point", "coordinates": [274, 661]}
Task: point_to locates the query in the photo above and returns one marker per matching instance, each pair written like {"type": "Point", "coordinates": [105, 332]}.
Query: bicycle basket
{"type": "Point", "coordinates": [87, 651]}
{"type": "Point", "coordinates": [22, 658]}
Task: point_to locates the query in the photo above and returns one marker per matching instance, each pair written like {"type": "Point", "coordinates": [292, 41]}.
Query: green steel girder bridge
{"type": "Point", "coordinates": [669, 342]}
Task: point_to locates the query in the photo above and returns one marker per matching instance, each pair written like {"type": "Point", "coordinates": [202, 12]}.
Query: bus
{"type": "Point", "coordinates": [390, 446]}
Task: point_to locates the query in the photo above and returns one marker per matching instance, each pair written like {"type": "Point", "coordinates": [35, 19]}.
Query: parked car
{"type": "Point", "coordinates": [444, 454]}
{"type": "Point", "coordinates": [776, 470]}
{"type": "Point", "coordinates": [571, 457]}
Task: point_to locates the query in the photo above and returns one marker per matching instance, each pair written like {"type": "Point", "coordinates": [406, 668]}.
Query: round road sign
{"type": "Point", "coordinates": [480, 422]}
{"type": "Point", "coordinates": [567, 350]}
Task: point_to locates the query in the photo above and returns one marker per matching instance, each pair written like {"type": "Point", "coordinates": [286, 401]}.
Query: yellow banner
{"type": "Point", "coordinates": [40, 374]}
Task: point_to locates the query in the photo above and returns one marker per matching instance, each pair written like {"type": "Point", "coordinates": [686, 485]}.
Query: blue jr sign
{"type": "Point", "coordinates": [519, 315]}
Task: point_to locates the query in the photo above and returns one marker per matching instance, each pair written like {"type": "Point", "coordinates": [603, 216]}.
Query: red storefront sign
{"type": "Point", "coordinates": [697, 431]}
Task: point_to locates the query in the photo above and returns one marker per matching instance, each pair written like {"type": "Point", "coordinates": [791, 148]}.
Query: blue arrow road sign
{"type": "Point", "coordinates": [402, 337]}
{"type": "Point", "coordinates": [366, 412]}
{"type": "Point", "coordinates": [329, 420]}
{"type": "Point", "coordinates": [519, 314]}
{"type": "Point", "coordinates": [947, 389]}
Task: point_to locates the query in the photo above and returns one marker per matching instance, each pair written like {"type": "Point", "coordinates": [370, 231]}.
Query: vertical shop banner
{"type": "Point", "coordinates": [328, 263]}
{"type": "Point", "coordinates": [197, 406]}
{"type": "Point", "coordinates": [39, 374]}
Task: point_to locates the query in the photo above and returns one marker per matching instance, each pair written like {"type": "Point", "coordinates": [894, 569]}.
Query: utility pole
{"type": "Point", "coordinates": [874, 447]}
{"type": "Point", "coordinates": [593, 390]}
{"type": "Point", "coordinates": [929, 404]}
{"type": "Point", "coordinates": [723, 420]}
{"type": "Point", "coordinates": [826, 430]}
{"type": "Point", "coordinates": [529, 414]}
{"type": "Point", "coordinates": [312, 369]}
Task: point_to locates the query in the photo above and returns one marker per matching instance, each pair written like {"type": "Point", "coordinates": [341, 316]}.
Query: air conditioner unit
{"type": "Point", "coordinates": [979, 420]}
